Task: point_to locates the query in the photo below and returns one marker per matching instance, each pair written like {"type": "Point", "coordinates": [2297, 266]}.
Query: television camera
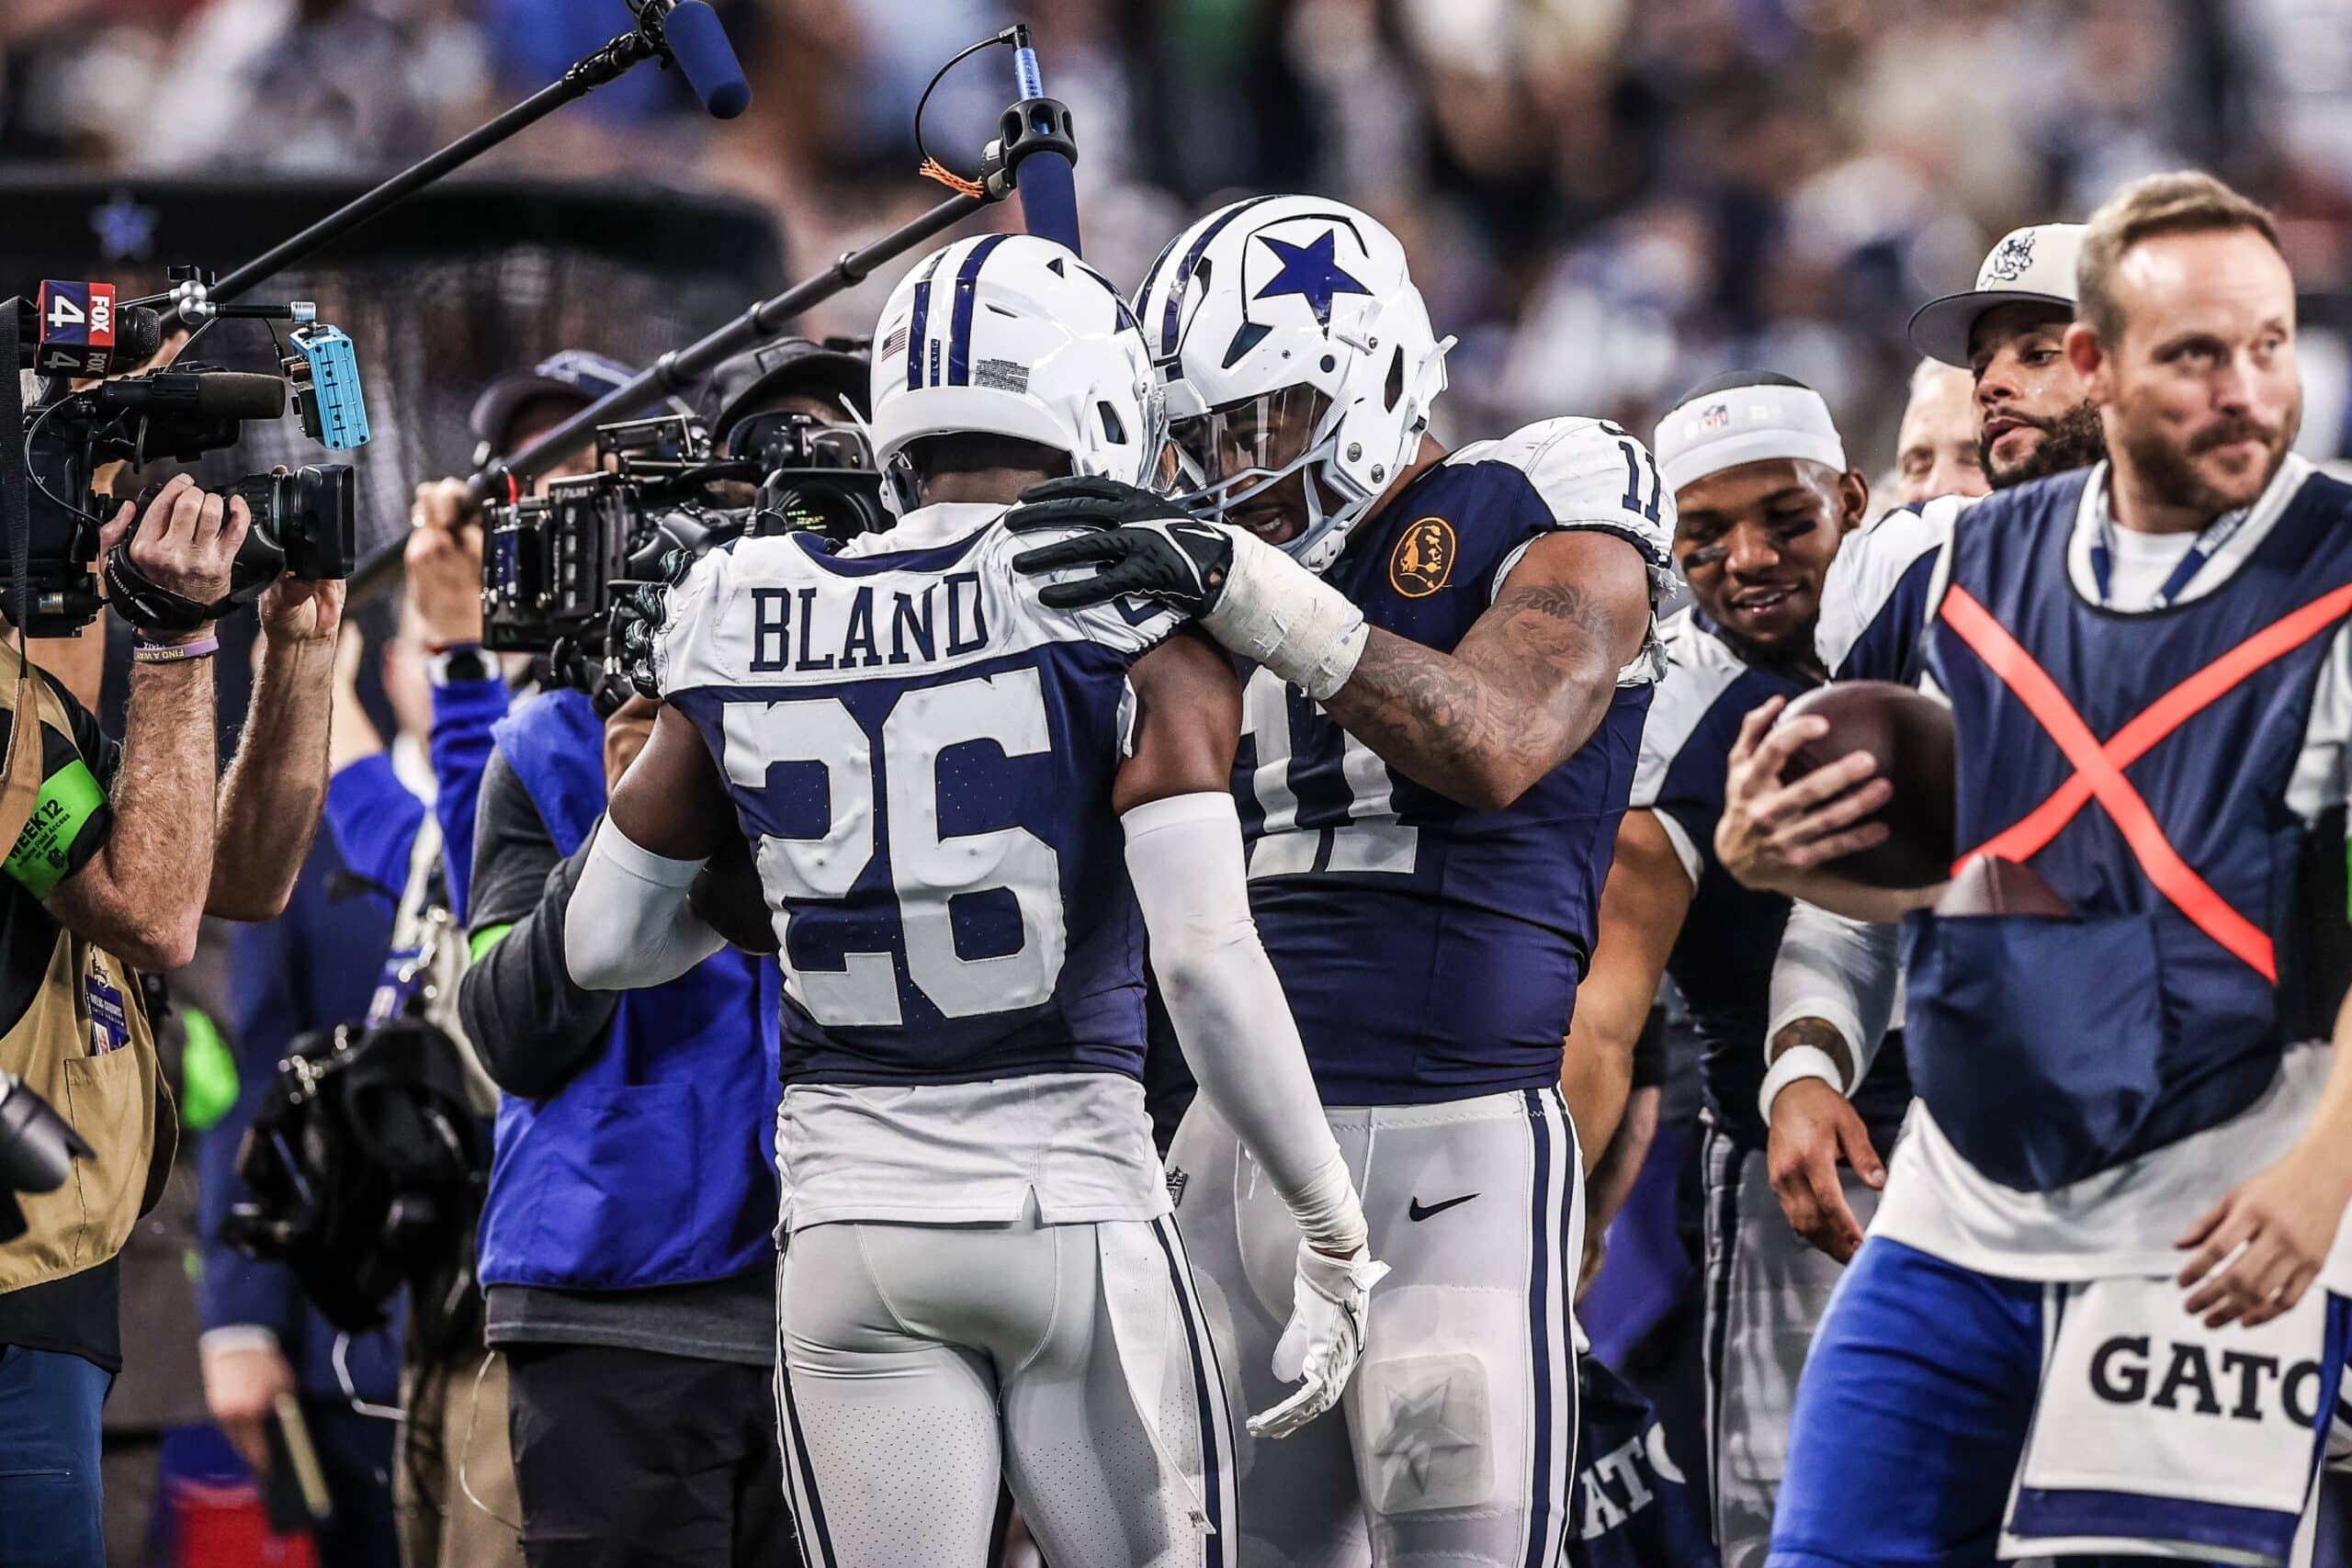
{"type": "Point", "coordinates": [303, 521]}
{"type": "Point", "coordinates": [561, 569]}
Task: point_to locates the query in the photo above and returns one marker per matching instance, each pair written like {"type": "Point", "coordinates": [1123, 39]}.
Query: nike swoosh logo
{"type": "Point", "coordinates": [1414, 1211]}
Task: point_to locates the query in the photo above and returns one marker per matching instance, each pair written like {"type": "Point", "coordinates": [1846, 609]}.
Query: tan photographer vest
{"type": "Point", "coordinates": [113, 1098]}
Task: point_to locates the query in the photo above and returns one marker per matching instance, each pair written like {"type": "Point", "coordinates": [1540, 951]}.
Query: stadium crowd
{"type": "Point", "coordinates": [1608, 203]}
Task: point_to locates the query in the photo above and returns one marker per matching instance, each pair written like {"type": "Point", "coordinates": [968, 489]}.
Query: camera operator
{"type": "Point", "coordinates": [626, 1248]}
{"type": "Point", "coordinates": [126, 848]}
{"type": "Point", "coordinates": [400, 821]}
{"type": "Point", "coordinates": [373, 810]}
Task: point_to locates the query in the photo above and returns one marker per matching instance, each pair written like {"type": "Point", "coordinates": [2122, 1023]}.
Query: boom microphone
{"type": "Point", "coordinates": [1049, 188]}
{"type": "Point", "coordinates": [214, 394]}
{"type": "Point", "coordinates": [698, 43]}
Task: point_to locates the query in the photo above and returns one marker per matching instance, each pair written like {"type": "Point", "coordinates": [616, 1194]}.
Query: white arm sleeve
{"type": "Point", "coordinates": [1841, 971]}
{"type": "Point", "coordinates": [1184, 857]}
{"type": "Point", "coordinates": [627, 925]}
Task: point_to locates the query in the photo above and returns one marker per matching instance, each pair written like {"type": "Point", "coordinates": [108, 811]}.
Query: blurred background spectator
{"type": "Point", "coordinates": [1607, 201]}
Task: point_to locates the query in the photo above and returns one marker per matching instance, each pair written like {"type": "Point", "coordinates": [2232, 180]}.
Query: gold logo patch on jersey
{"type": "Point", "coordinates": [1424, 560]}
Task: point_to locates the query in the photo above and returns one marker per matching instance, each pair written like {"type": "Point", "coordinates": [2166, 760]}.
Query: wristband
{"type": "Point", "coordinates": [1797, 1063]}
{"type": "Point", "coordinates": [1327, 1212]}
{"type": "Point", "coordinates": [145, 653]}
{"type": "Point", "coordinates": [1835, 1013]}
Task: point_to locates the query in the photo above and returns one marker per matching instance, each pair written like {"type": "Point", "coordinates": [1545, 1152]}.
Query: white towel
{"type": "Point", "coordinates": [2156, 1435]}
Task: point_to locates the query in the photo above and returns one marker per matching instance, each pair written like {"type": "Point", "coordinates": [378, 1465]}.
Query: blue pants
{"type": "Point", "coordinates": [49, 1501]}
{"type": "Point", "coordinates": [1913, 1414]}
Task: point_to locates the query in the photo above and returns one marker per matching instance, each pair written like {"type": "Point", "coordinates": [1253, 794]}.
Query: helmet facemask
{"type": "Point", "coordinates": [1229, 457]}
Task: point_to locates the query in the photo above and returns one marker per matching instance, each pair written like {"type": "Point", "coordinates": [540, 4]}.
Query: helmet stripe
{"type": "Point", "coordinates": [1151, 277]}
{"type": "Point", "coordinates": [921, 321]}
{"type": "Point", "coordinates": [1193, 259]}
{"type": "Point", "coordinates": [960, 340]}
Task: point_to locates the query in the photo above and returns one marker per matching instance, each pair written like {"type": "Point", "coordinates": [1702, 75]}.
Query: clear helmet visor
{"type": "Point", "coordinates": [1228, 454]}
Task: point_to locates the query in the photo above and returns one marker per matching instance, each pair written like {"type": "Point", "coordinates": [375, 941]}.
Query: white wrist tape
{"type": "Point", "coordinates": [1796, 1063]}
{"type": "Point", "coordinates": [1279, 614]}
{"type": "Point", "coordinates": [1327, 1210]}
{"type": "Point", "coordinates": [1834, 1013]}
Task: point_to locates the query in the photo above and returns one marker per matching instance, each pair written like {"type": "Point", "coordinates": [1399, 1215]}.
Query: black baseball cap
{"type": "Point", "coordinates": [836, 369]}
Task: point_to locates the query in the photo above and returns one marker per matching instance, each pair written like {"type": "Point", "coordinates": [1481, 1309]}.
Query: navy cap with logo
{"type": "Point", "coordinates": [574, 375]}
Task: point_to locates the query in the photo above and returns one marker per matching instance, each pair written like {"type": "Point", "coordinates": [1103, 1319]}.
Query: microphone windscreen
{"type": "Point", "coordinates": [138, 333]}
{"type": "Point", "coordinates": [238, 394]}
{"type": "Point", "coordinates": [698, 43]}
{"type": "Point", "coordinates": [1049, 197]}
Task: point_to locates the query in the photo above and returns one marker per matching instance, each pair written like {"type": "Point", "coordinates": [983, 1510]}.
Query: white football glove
{"type": "Point", "coordinates": [1330, 1302]}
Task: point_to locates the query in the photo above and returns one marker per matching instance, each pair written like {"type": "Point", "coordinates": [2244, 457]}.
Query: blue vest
{"type": "Point", "coordinates": [651, 1167]}
{"type": "Point", "coordinates": [2051, 1049]}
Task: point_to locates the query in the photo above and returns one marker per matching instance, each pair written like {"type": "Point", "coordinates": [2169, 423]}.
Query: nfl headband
{"type": "Point", "coordinates": [1722, 427]}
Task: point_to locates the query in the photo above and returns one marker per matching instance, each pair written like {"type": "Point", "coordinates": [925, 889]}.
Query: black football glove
{"type": "Point", "coordinates": [1148, 546]}
{"type": "Point", "coordinates": [637, 614]}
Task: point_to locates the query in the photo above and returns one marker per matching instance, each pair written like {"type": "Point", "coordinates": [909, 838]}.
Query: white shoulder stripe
{"type": "Point", "coordinates": [1587, 471]}
{"type": "Point", "coordinates": [1584, 470]}
{"type": "Point", "coordinates": [1869, 565]}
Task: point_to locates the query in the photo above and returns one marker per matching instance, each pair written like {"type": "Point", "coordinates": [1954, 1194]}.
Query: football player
{"type": "Point", "coordinates": [1763, 497]}
{"type": "Point", "coordinates": [935, 772]}
{"type": "Point", "coordinates": [1448, 657]}
{"type": "Point", "coordinates": [2108, 1009]}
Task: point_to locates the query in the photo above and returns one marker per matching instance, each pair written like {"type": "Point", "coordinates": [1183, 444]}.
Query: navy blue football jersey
{"type": "Point", "coordinates": [921, 756]}
{"type": "Point", "coordinates": [1723, 957]}
{"type": "Point", "coordinates": [1430, 950]}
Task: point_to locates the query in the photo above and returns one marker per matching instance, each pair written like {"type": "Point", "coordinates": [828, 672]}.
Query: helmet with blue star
{"type": "Point", "coordinates": [1299, 362]}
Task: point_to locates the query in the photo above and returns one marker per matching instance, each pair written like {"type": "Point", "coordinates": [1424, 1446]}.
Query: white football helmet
{"type": "Point", "coordinates": [1291, 314]}
{"type": "Point", "coordinates": [1009, 334]}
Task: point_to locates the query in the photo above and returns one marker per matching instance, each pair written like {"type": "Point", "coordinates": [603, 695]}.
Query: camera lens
{"type": "Point", "coordinates": [305, 521]}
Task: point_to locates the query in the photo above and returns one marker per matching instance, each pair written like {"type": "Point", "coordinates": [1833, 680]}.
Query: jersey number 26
{"type": "Point", "coordinates": [927, 868]}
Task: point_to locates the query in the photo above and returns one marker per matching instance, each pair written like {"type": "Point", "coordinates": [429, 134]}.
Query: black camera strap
{"type": "Point", "coordinates": [19, 778]}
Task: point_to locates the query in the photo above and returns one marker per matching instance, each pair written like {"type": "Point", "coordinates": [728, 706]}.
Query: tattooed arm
{"type": "Point", "coordinates": [1524, 689]}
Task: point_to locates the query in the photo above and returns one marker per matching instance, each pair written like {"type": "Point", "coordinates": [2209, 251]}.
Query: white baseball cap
{"type": "Point", "coordinates": [2033, 265]}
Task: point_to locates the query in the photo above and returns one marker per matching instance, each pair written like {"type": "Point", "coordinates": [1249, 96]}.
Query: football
{"type": "Point", "coordinates": [1911, 737]}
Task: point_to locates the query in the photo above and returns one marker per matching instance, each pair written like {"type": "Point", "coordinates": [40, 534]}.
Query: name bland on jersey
{"type": "Point", "coordinates": [802, 630]}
